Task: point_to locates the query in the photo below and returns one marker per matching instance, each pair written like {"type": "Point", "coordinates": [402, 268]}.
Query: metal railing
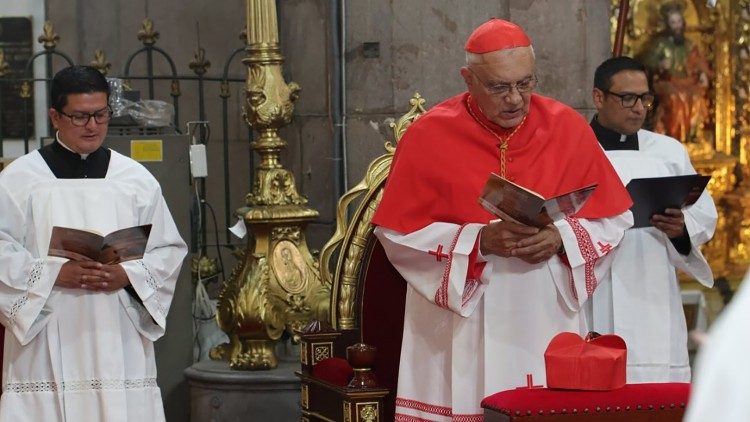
{"type": "Point", "coordinates": [220, 85]}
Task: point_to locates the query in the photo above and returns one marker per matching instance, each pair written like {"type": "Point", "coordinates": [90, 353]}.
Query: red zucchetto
{"type": "Point", "coordinates": [496, 34]}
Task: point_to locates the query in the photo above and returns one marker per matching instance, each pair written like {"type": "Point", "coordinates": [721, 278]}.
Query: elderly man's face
{"type": "Point", "coordinates": [612, 113]}
{"type": "Point", "coordinates": [89, 137]}
{"type": "Point", "coordinates": [514, 67]}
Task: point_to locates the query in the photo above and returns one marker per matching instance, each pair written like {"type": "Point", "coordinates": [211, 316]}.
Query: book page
{"type": "Point", "coordinates": [505, 198]}
{"type": "Point", "coordinates": [125, 245]}
{"type": "Point", "coordinates": [84, 245]}
{"type": "Point", "coordinates": [569, 203]}
{"type": "Point", "coordinates": [78, 245]}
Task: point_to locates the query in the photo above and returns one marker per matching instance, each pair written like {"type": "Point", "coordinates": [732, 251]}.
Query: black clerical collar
{"type": "Point", "coordinates": [66, 164]}
{"type": "Point", "coordinates": [611, 140]}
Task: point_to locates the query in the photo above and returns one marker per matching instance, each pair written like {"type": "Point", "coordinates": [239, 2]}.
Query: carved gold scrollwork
{"type": "Point", "coordinates": [147, 34]}
{"type": "Point", "coordinates": [303, 352]}
{"type": "Point", "coordinates": [353, 234]}
{"type": "Point", "coordinates": [275, 187]}
{"type": "Point", "coordinates": [25, 90]}
{"type": "Point", "coordinates": [257, 354]}
{"type": "Point", "coordinates": [100, 62]}
{"type": "Point", "coordinates": [244, 304]}
{"type": "Point", "coordinates": [400, 126]}
{"type": "Point", "coordinates": [293, 233]}
{"type": "Point", "coordinates": [742, 83]}
{"type": "Point", "coordinates": [270, 101]}
{"type": "Point", "coordinates": [256, 80]}
{"type": "Point", "coordinates": [174, 88]}
{"type": "Point", "coordinates": [49, 37]}
{"type": "Point", "coordinates": [347, 411]}
{"type": "Point", "coordinates": [352, 263]}
{"type": "Point", "coordinates": [367, 412]}
{"type": "Point", "coordinates": [204, 267]}
{"type": "Point", "coordinates": [224, 90]}
{"type": "Point", "coordinates": [376, 172]}
{"type": "Point", "coordinates": [199, 65]}
{"type": "Point", "coordinates": [321, 351]}
{"type": "Point", "coordinates": [305, 397]}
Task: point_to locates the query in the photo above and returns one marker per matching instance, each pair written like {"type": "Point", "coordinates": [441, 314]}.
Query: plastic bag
{"type": "Point", "coordinates": [152, 113]}
{"type": "Point", "coordinates": [206, 331]}
{"type": "Point", "coordinates": [116, 101]}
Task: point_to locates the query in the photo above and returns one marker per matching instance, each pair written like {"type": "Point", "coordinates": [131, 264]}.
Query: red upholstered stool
{"type": "Point", "coordinates": [631, 403]}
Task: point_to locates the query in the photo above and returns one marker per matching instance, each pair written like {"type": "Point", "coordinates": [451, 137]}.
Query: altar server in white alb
{"type": "Point", "coordinates": [485, 296]}
{"type": "Point", "coordinates": [79, 335]}
{"type": "Point", "coordinates": [641, 300]}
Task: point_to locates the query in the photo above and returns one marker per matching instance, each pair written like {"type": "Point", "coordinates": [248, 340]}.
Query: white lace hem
{"type": "Point", "coordinates": [34, 275]}
{"type": "Point", "coordinates": [80, 385]}
{"type": "Point", "coordinates": [150, 279]}
{"type": "Point", "coordinates": [151, 282]}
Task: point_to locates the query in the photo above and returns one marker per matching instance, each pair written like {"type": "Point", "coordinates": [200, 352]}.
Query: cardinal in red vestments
{"type": "Point", "coordinates": [486, 295]}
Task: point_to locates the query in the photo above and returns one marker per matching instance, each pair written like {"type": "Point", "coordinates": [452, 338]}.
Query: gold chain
{"type": "Point", "coordinates": [503, 142]}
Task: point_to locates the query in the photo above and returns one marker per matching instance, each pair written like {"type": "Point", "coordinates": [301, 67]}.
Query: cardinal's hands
{"type": "Point", "coordinates": [91, 275]}
{"type": "Point", "coordinates": [533, 245]}
{"type": "Point", "coordinates": [539, 247]}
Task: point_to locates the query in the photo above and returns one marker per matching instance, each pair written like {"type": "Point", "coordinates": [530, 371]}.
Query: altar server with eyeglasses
{"type": "Point", "coordinates": [79, 334]}
{"type": "Point", "coordinates": [640, 300]}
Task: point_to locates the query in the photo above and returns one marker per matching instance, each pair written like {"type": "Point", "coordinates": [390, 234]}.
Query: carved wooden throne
{"type": "Point", "coordinates": [367, 306]}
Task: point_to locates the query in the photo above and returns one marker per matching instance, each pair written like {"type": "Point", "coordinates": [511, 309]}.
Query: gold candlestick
{"type": "Point", "coordinates": [277, 285]}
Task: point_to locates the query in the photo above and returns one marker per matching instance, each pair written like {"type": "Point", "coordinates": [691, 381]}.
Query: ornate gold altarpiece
{"type": "Point", "coordinates": [721, 149]}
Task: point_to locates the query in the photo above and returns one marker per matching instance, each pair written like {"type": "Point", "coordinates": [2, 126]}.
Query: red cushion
{"type": "Point", "coordinates": [336, 371]}
{"type": "Point", "coordinates": [630, 397]}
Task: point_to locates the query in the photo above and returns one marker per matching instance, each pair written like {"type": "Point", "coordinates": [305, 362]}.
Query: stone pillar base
{"type": "Point", "coordinates": [221, 394]}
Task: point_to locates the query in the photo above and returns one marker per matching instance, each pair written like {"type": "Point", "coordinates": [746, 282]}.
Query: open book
{"type": "Point", "coordinates": [82, 245]}
{"type": "Point", "coordinates": [510, 201]}
{"type": "Point", "coordinates": [653, 195]}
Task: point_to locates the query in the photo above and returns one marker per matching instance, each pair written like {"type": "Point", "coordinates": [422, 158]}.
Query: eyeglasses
{"type": "Point", "coordinates": [629, 100]}
{"type": "Point", "coordinates": [522, 86]}
{"type": "Point", "coordinates": [82, 119]}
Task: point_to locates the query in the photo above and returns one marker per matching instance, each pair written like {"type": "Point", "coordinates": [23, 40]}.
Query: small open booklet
{"type": "Point", "coordinates": [652, 195]}
{"type": "Point", "coordinates": [82, 245]}
{"type": "Point", "coordinates": [510, 201]}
